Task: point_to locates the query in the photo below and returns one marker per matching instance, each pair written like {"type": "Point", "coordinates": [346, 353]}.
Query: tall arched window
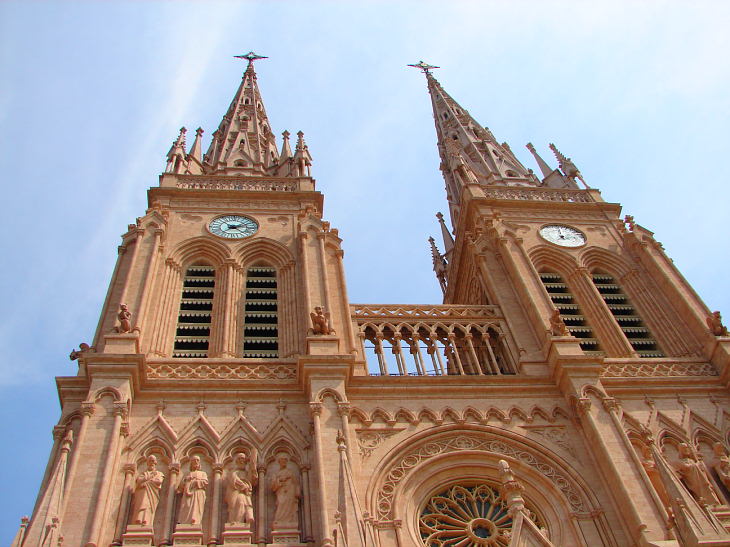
{"type": "Point", "coordinates": [570, 312]}
{"type": "Point", "coordinates": [636, 332]}
{"type": "Point", "coordinates": [192, 336]}
{"type": "Point", "coordinates": [261, 314]}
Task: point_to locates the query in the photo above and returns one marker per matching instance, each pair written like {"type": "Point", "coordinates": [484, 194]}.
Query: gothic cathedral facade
{"type": "Point", "coordinates": [571, 390]}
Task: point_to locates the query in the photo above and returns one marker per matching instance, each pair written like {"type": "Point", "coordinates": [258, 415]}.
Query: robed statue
{"type": "Point", "coordinates": [239, 489]}
{"type": "Point", "coordinates": [192, 488]}
{"type": "Point", "coordinates": [285, 485]}
{"type": "Point", "coordinates": [147, 493]}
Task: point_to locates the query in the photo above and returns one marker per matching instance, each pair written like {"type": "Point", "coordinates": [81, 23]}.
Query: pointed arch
{"type": "Point", "coordinates": [595, 258]}
{"type": "Point", "coordinates": [263, 249]}
{"type": "Point", "coordinates": [203, 248]}
{"type": "Point", "coordinates": [548, 258]}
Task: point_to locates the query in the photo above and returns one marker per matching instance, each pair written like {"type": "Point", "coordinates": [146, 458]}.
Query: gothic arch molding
{"type": "Point", "coordinates": [544, 257]}
{"type": "Point", "coordinates": [595, 258]}
{"type": "Point", "coordinates": [264, 249]}
{"type": "Point", "coordinates": [402, 461]}
{"type": "Point", "coordinates": [203, 248]}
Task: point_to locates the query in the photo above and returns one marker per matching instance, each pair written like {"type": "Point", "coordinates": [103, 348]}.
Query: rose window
{"type": "Point", "coordinates": [465, 516]}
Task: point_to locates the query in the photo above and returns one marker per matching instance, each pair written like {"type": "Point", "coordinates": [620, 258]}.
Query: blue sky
{"type": "Point", "coordinates": [92, 94]}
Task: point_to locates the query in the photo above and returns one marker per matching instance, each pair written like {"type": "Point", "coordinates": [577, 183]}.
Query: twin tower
{"type": "Point", "coordinates": [571, 390]}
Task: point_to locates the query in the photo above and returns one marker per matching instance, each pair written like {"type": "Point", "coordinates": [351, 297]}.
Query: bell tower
{"type": "Point", "coordinates": [570, 390]}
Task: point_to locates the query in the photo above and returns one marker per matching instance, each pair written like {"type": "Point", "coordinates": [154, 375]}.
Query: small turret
{"type": "Point", "coordinates": [440, 266]}
{"type": "Point", "coordinates": [552, 177]}
{"type": "Point", "coordinates": [302, 158]}
{"type": "Point", "coordinates": [176, 156]}
{"type": "Point", "coordinates": [567, 166]}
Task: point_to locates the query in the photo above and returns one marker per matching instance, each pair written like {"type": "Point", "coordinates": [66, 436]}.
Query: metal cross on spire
{"type": "Point", "coordinates": [425, 67]}
{"type": "Point", "coordinates": [250, 57]}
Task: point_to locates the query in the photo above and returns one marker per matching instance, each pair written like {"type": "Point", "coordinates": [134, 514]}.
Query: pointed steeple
{"type": "Point", "coordinates": [469, 152]}
{"type": "Point", "coordinates": [448, 238]}
{"type": "Point", "coordinates": [176, 155]}
{"type": "Point", "coordinates": [302, 158]}
{"type": "Point", "coordinates": [567, 166]}
{"type": "Point", "coordinates": [244, 142]}
{"type": "Point", "coordinates": [439, 264]}
{"type": "Point", "coordinates": [553, 178]}
{"type": "Point", "coordinates": [285, 147]}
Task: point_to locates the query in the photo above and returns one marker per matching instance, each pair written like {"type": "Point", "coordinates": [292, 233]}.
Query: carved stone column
{"type": "Point", "coordinates": [170, 508]}
{"type": "Point", "coordinates": [316, 411]}
{"type": "Point", "coordinates": [150, 275]}
{"type": "Point", "coordinates": [351, 344]}
{"type": "Point", "coordinates": [261, 510]}
{"type": "Point", "coordinates": [215, 509]}
{"type": "Point", "coordinates": [599, 316]}
{"type": "Point", "coordinates": [120, 412]}
{"type": "Point", "coordinates": [87, 409]}
{"type": "Point", "coordinates": [129, 471]}
{"type": "Point", "coordinates": [170, 302]}
{"type": "Point", "coordinates": [307, 534]}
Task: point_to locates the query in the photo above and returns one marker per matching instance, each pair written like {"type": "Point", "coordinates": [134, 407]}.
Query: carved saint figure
{"type": "Point", "coordinates": [239, 488]}
{"type": "Point", "coordinates": [557, 326]}
{"type": "Point", "coordinates": [193, 488]}
{"type": "Point", "coordinates": [147, 493]}
{"type": "Point", "coordinates": [321, 321]}
{"type": "Point", "coordinates": [692, 472]}
{"type": "Point", "coordinates": [714, 323]}
{"type": "Point", "coordinates": [722, 464]}
{"type": "Point", "coordinates": [286, 487]}
{"type": "Point", "coordinates": [124, 317]}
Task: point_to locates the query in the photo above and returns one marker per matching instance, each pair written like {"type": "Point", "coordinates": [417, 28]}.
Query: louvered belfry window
{"type": "Point", "coordinates": [626, 316]}
{"type": "Point", "coordinates": [192, 336]}
{"type": "Point", "coordinates": [570, 313]}
{"type": "Point", "coordinates": [260, 326]}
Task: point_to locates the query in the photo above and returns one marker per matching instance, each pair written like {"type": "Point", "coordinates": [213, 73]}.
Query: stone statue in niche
{"type": "Point", "coordinates": [693, 475]}
{"type": "Point", "coordinates": [321, 323]}
{"type": "Point", "coordinates": [193, 487]}
{"type": "Point", "coordinates": [557, 326]}
{"type": "Point", "coordinates": [714, 323]}
{"type": "Point", "coordinates": [239, 488]}
{"type": "Point", "coordinates": [722, 464]}
{"type": "Point", "coordinates": [147, 493]}
{"type": "Point", "coordinates": [124, 316]}
{"type": "Point", "coordinates": [286, 488]}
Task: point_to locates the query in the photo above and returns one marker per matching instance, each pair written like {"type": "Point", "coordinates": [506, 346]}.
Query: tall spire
{"type": "Point", "coordinates": [244, 142]}
{"type": "Point", "coordinates": [469, 152]}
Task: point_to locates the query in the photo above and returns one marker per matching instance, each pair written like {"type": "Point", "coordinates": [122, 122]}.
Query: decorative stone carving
{"type": "Point", "coordinates": [557, 326]}
{"type": "Point", "coordinates": [321, 322]}
{"type": "Point", "coordinates": [481, 442]}
{"type": "Point", "coordinates": [177, 371]}
{"type": "Point", "coordinates": [722, 464]}
{"type": "Point", "coordinates": [714, 323]}
{"type": "Point", "coordinates": [693, 475]}
{"type": "Point", "coordinates": [147, 493]}
{"type": "Point", "coordinates": [369, 440]}
{"type": "Point", "coordinates": [193, 489]}
{"type": "Point", "coordinates": [125, 317]}
{"type": "Point", "coordinates": [239, 488]}
{"type": "Point", "coordinates": [633, 370]}
{"type": "Point", "coordinates": [83, 348]}
{"type": "Point", "coordinates": [287, 489]}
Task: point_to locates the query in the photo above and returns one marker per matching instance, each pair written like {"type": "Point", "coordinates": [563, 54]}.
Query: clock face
{"type": "Point", "coordinates": [233, 226]}
{"type": "Point", "coordinates": [565, 236]}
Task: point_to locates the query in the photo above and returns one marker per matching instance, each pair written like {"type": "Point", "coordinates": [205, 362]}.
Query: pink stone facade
{"type": "Point", "coordinates": [581, 436]}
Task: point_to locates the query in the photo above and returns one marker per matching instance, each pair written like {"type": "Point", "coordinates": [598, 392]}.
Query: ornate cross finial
{"type": "Point", "coordinates": [425, 67]}
{"type": "Point", "coordinates": [250, 57]}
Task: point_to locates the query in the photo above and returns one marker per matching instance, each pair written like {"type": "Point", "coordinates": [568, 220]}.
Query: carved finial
{"type": "Point", "coordinates": [201, 406]}
{"type": "Point", "coordinates": [629, 221]}
{"type": "Point", "coordinates": [424, 67]}
{"type": "Point", "coordinates": [321, 322]}
{"type": "Point", "coordinates": [440, 266]}
{"type": "Point", "coordinates": [446, 235]}
{"type": "Point", "coordinates": [714, 323]}
{"type": "Point", "coordinates": [240, 408]}
{"type": "Point", "coordinates": [281, 407]}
